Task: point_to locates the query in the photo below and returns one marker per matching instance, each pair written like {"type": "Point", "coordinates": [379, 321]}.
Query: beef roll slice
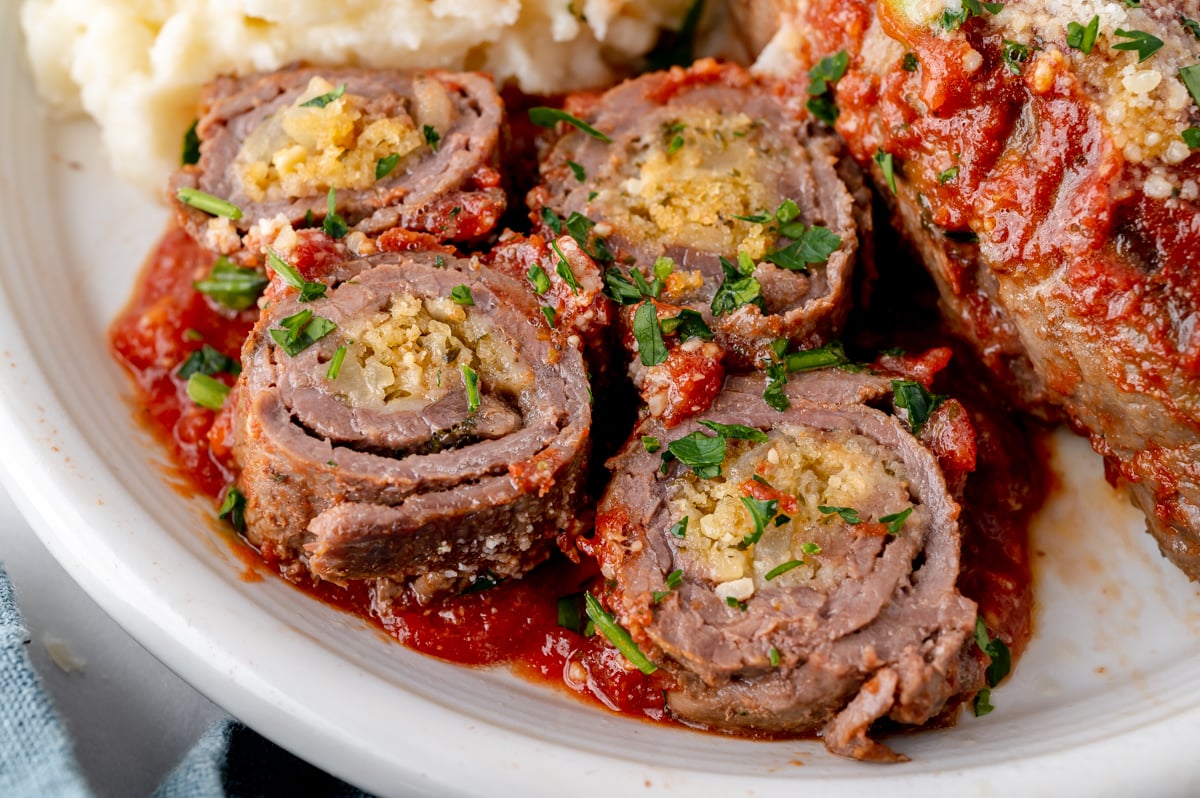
{"type": "Point", "coordinates": [794, 571]}
{"type": "Point", "coordinates": [1044, 159]}
{"type": "Point", "coordinates": [370, 149]}
{"type": "Point", "coordinates": [703, 189]}
{"type": "Point", "coordinates": [414, 419]}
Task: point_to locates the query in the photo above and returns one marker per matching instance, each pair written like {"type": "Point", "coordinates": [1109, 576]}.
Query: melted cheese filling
{"type": "Point", "coordinates": [411, 355]}
{"type": "Point", "coordinates": [814, 468]}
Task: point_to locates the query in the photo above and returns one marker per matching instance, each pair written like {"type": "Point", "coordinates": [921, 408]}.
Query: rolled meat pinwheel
{"type": "Point", "coordinates": [351, 149]}
{"type": "Point", "coordinates": [421, 419]}
{"type": "Point", "coordinates": [708, 184]}
{"type": "Point", "coordinates": [794, 571]}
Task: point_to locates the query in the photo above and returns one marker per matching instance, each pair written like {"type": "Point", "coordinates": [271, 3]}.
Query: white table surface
{"type": "Point", "coordinates": [130, 717]}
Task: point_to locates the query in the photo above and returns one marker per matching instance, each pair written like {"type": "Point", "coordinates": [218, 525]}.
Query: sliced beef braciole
{"type": "Point", "coordinates": [1043, 161]}
{"type": "Point", "coordinates": [795, 571]}
{"type": "Point", "coordinates": [417, 150]}
{"type": "Point", "coordinates": [417, 421]}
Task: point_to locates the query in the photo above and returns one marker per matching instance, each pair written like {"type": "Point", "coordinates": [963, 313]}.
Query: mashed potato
{"type": "Point", "coordinates": [137, 65]}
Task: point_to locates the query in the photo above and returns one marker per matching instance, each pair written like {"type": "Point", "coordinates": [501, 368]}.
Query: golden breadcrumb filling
{"type": "Point", "coordinates": [412, 355]}
{"type": "Point", "coordinates": [693, 176]}
{"type": "Point", "coordinates": [804, 469]}
{"type": "Point", "coordinates": [306, 150]}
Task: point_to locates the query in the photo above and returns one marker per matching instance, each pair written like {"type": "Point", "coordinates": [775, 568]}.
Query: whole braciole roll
{"type": "Point", "coordinates": [794, 571]}
{"type": "Point", "coordinates": [420, 422]}
{"type": "Point", "coordinates": [713, 168]}
{"type": "Point", "coordinates": [417, 150]}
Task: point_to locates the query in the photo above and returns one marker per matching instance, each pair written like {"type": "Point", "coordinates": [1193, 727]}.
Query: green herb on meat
{"type": "Point", "coordinates": [847, 514]}
{"type": "Point", "coordinates": [334, 226]}
{"type": "Point", "coordinates": [652, 350]}
{"type": "Point", "coordinates": [920, 403]}
{"type": "Point", "coordinates": [563, 269]}
{"type": "Point", "coordinates": [651, 444]}
{"type": "Point", "coordinates": [620, 288]}
{"type": "Point", "coordinates": [953, 20]}
{"type": "Point", "coordinates": [737, 289]}
{"type": "Point", "coordinates": [761, 513]}
{"type": "Point", "coordinates": [782, 568]}
{"type": "Point", "coordinates": [736, 431]}
{"type": "Point", "coordinates": [300, 331]}
{"type": "Point", "coordinates": [821, 357]}
{"type": "Point", "coordinates": [432, 137]}
{"type": "Point", "coordinates": [812, 245]}
{"type": "Point", "coordinates": [1191, 137]}
{"type": "Point", "coordinates": [538, 277]}
{"type": "Point", "coordinates": [214, 206]}
{"type": "Point", "coordinates": [207, 360]}
{"type": "Point", "coordinates": [550, 315]}
{"type": "Point", "coordinates": [674, 580]}
{"type": "Point", "coordinates": [308, 290]}
{"type": "Point", "coordinates": [578, 170]}
{"type": "Point", "coordinates": [1191, 26]}
{"type": "Point", "coordinates": [1015, 54]}
{"type": "Point", "coordinates": [997, 651]}
{"type": "Point", "coordinates": [335, 363]}
{"type": "Point", "coordinates": [828, 71]}
{"type": "Point", "coordinates": [983, 703]}
{"type": "Point", "coordinates": [617, 635]}
{"type": "Point", "coordinates": [579, 227]}
{"type": "Point", "coordinates": [461, 294]}
{"type": "Point", "coordinates": [552, 220]}
{"type": "Point", "coordinates": [895, 521]}
{"type": "Point", "coordinates": [910, 63]}
{"type": "Point", "coordinates": [679, 528]}
{"type": "Point", "coordinates": [811, 549]}
{"type": "Point", "coordinates": [549, 117]}
{"type": "Point", "coordinates": [704, 454]}
{"type": "Point", "coordinates": [1190, 75]}
{"type": "Point", "coordinates": [471, 383]}
{"type": "Point", "coordinates": [689, 324]}
{"type": "Point", "coordinates": [191, 146]}
{"type": "Point", "coordinates": [773, 657]}
{"type": "Point", "coordinates": [948, 175]}
{"type": "Point", "coordinates": [887, 165]}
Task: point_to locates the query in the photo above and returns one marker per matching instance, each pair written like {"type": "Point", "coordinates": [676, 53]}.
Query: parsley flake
{"type": "Point", "coordinates": [651, 348]}
{"type": "Point", "coordinates": [1083, 37]}
{"type": "Point", "coordinates": [323, 100]}
{"type": "Point", "coordinates": [549, 117]}
{"type": "Point", "coordinates": [1144, 44]}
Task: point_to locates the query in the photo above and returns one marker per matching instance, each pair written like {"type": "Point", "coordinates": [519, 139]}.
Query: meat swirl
{"type": "Point", "coordinates": [761, 215]}
{"type": "Point", "coordinates": [431, 426]}
{"type": "Point", "coordinates": [416, 150]}
{"type": "Point", "coordinates": [806, 584]}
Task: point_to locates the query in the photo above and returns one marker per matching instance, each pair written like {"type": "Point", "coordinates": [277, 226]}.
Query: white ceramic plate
{"type": "Point", "coordinates": [1105, 702]}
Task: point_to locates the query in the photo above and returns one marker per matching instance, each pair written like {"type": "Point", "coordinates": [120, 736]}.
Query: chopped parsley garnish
{"type": "Point", "coordinates": [730, 601]}
{"type": "Point", "coordinates": [773, 657]}
{"type": "Point", "coordinates": [822, 357]}
{"type": "Point", "coordinates": [191, 146]}
{"type": "Point", "coordinates": [953, 20]}
{"type": "Point", "coordinates": [1083, 37]}
{"type": "Point", "coordinates": [1015, 54]}
{"type": "Point", "coordinates": [919, 403]}
{"type": "Point", "coordinates": [677, 48]}
{"type": "Point", "coordinates": [1144, 44]}
{"type": "Point", "coordinates": [471, 383]}
{"type": "Point", "coordinates": [812, 245]}
{"type": "Point", "coordinates": [782, 569]}
{"type": "Point", "coordinates": [674, 580]}
{"type": "Point", "coordinates": [325, 99]}
{"type": "Point", "coordinates": [738, 288]}
{"type": "Point", "coordinates": [335, 363]}
{"type": "Point", "coordinates": [432, 137]}
{"type": "Point", "coordinates": [334, 226]}
{"type": "Point", "coordinates": [579, 227]}
{"type": "Point", "coordinates": [948, 175]}
{"type": "Point", "coordinates": [214, 206]}
{"type": "Point", "coordinates": [676, 144]}
{"type": "Point", "coordinates": [651, 348]}
{"type": "Point", "coordinates": [563, 269]}
{"type": "Point", "coordinates": [983, 703]}
{"type": "Point", "coordinates": [578, 170]}
{"type": "Point", "coordinates": [1190, 75]}
{"type": "Point", "coordinates": [549, 117]}
{"type": "Point", "coordinates": [1191, 137]}
{"type": "Point", "coordinates": [704, 454]}
{"type": "Point", "coordinates": [207, 391]}
{"type": "Point", "coordinates": [300, 331]}
{"type": "Point", "coordinates": [439, 262]}
{"type": "Point", "coordinates": [1191, 26]}
{"type": "Point", "coordinates": [895, 521]}
{"type": "Point", "coordinates": [847, 514]}
{"type": "Point", "coordinates": [910, 62]}
{"type": "Point", "coordinates": [233, 507]}
{"type": "Point", "coordinates": [888, 165]}
{"type": "Point", "coordinates": [552, 220]}
{"type": "Point", "coordinates": [620, 289]}
{"type": "Point", "coordinates": [541, 281]}
{"type": "Point", "coordinates": [663, 266]}
{"type": "Point", "coordinates": [570, 613]}
{"type": "Point", "coordinates": [617, 635]}
{"type": "Point", "coordinates": [996, 650]}
{"type": "Point", "coordinates": [550, 315]}
{"type": "Point", "coordinates": [828, 70]}
{"type": "Point", "coordinates": [385, 165]}
{"type": "Point", "coordinates": [651, 444]}
{"type": "Point", "coordinates": [207, 360]}
{"type": "Point", "coordinates": [774, 396]}
{"type": "Point", "coordinates": [231, 285]}
{"type": "Point", "coordinates": [679, 528]}
{"type": "Point", "coordinates": [736, 431]}
{"type": "Point", "coordinates": [308, 290]}
{"type": "Point", "coordinates": [462, 295]}
{"type": "Point", "coordinates": [689, 324]}
{"type": "Point", "coordinates": [761, 512]}
{"type": "Point", "coordinates": [811, 549]}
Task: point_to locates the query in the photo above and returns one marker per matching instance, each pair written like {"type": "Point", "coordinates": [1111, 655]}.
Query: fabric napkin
{"type": "Point", "coordinates": [37, 759]}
